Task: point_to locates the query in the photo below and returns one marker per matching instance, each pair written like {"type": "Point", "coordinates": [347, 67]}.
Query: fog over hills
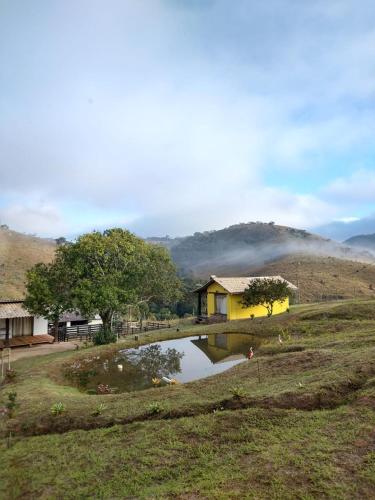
{"type": "Point", "coordinates": [238, 248]}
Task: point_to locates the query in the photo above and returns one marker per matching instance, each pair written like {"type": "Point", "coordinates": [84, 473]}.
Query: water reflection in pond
{"type": "Point", "coordinates": [183, 359]}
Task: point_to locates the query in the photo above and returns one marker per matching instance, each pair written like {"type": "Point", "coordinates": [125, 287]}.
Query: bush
{"type": "Point", "coordinates": [10, 374]}
{"type": "Point", "coordinates": [11, 403]}
{"type": "Point", "coordinates": [99, 410]}
{"type": "Point", "coordinates": [237, 392]}
{"type": "Point", "coordinates": [57, 408]}
{"type": "Point", "coordinates": [104, 336]}
{"type": "Point", "coordinates": [155, 408]}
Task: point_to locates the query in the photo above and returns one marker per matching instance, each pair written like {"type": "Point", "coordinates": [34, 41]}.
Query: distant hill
{"type": "Point", "coordinates": [165, 241]}
{"type": "Point", "coordinates": [236, 249]}
{"type": "Point", "coordinates": [19, 252]}
{"type": "Point", "coordinates": [323, 278]}
{"type": "Point", "coordinates": [340, 230]}
{"type": "Point", "coordinates": [362, 241]}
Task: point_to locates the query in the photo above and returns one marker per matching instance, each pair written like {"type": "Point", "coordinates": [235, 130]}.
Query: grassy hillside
{"type": "Point", "coordinates": [19, 252]}
{"type": "Point", "coordinates": [299, 425]}
{"type": "Point", "coordinates": [322, 278]}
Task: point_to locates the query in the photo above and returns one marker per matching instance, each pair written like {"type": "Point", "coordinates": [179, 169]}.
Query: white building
{"type": "Point", "coordinates": [16, 321]}
{"type": "Point", "coordinates": [76, 319]}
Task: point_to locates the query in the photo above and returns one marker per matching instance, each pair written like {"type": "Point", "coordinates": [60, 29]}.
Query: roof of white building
{"type": "Point", "coordinates": [239, 284]}
{"type": "Point", "coordinates": [13, 310]}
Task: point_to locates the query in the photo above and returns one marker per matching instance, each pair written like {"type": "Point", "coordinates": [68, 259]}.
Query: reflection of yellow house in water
{"type": "Point", "coordinates": [224, 295]}
{"type": "Point", "coordinates": [223, 347]}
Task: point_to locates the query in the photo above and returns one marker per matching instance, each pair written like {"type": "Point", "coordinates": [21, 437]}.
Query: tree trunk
{"type": "Point", "coordinates": [106, 317]}
{"type": "Point", "coordinates": [56, 329]}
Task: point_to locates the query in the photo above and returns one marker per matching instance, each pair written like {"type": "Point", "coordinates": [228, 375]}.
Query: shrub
{"type": "Point", "coordinates": [99, 410]}
{"type": "Point", "coordinates": [155, 408]}
{"type": "Point", "coordinates": [284, 334]}
{"type": "Point", "coordinates": [10, 374]}
{"type": "Point", "coordinates": [57, 408]}
{"type": "Point", "coordinates": [237, 392]}
{"type": "Point", "coordinates": [11, 403]}
{"type": "Point", "coordinates": [104, 336]}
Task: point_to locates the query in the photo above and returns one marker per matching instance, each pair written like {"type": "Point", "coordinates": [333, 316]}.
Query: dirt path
{"type": "Point", "coordinates": [39, 350]}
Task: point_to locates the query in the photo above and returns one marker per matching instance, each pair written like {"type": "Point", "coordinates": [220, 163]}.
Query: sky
{"type": "Point", "coordinates": [176, 116]}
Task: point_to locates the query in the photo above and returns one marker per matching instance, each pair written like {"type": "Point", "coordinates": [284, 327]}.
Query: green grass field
{"type": "Point", "coordinates": [306, 429]}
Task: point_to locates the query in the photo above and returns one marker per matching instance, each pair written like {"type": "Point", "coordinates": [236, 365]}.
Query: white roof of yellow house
{"type": "Point", "coordinates": [239, 284]}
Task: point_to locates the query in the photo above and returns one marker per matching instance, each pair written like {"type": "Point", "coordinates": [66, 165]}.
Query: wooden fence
{"type": "Point", "coordinates": [86, 332]}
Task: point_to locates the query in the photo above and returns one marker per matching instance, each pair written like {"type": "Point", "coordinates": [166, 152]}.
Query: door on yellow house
{"type": "Point", "coordinates": [221, 303]}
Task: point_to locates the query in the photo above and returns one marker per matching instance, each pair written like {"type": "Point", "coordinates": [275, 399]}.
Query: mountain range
{"type": "Point", "coordinates": [322, 268]}
{"type": "Point", "coordinates": [238, 248]}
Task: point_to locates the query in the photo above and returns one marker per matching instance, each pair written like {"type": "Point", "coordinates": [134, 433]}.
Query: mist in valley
{"type": "Point", "coordinates": [230, 256]}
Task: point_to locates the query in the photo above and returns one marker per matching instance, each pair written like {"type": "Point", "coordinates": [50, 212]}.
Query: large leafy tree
{"type": "Point", "coordinates": [112, 269]}
{"type": "Point", "coordinates": [265, 292]}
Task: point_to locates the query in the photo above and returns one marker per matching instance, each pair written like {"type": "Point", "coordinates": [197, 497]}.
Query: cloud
{"type": "Point", "coordinates": [348, 220]}
{"type": "Point", "coordinates": [264, 204]}
{"type": "Point", "coordinates": [38, 218]}
{"type": "Point", "coordinates": [358, 187]}
{"type": "Point", "coordinates": [173, 117]}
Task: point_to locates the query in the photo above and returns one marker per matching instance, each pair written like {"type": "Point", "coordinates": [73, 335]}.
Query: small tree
{"type": "Point", "coordinates": [265, 292]}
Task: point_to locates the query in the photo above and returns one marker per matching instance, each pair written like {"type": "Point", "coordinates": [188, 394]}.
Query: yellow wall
{"type": "Point", "coordinates": [238, 312]}
{"type": "Point", "coordinates": [234, 307]}
{"type": "Point", "coordinates": [211, 290]}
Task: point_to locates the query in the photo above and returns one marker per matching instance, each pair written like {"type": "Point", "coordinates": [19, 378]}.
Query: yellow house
{"type": "Point", "coordinates": [223, 298]}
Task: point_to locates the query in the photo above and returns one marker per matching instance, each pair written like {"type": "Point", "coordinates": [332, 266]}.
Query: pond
{"type": "Point", "coordinates": [184, 360]}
